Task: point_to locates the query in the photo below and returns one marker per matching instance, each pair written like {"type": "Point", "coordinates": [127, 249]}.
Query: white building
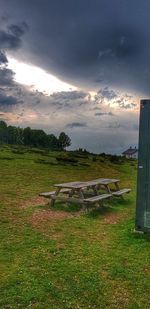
{"type": "Point", "coordinates": [131, 153]}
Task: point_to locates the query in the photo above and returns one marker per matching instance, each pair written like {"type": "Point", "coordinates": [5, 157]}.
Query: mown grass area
{"type": "Point", "coordinates": [62, 257]}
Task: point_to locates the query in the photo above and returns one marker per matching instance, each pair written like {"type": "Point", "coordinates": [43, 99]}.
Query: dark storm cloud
{"type": "Point", "coordinates": [10, 39]}
{"type": "Point", "coordinates": [6, 101]}
{"type": "Point", "coordinates": [3, 58]}
{"type": "Point", "coordinates": [6, 77]}
{"type": "Point", "coordinates": [84, 42]}
{"type": "Point", "coordinates": [76, 125]}
{"type": "Point", "coordinates": [10, 91]}
{"type": "Point", "coordinates": [18, 29]}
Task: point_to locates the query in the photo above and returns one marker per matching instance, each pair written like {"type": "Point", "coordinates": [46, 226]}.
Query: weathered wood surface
{"type": "Point", "coordinates": [121, 192]}
{"type": "Point", "coordinates": [97, 198]}
{"type": "Point", "coordinates": [49, 194]}
{"type": "Point", "coordinates": [102, 181]}
{"type": "Point", "coordinates": [72, 185]}
{"type": "Point", "coordinates": [86, 184]}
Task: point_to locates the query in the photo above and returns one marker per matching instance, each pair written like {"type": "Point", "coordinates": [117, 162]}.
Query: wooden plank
{"type": "Point", "coordinates": [72, 183]}
{"type": "Point", "coordinates": [97, 198]}
{"type": "Point", "coordinates": [109, 181]}
{"type": "Point", "coordinates": [121, 192]}
{"type": "Point", "coordinates": [49, 194]}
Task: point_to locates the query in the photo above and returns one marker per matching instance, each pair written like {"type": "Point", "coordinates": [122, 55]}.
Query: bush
{"type": "Point", "coordinates": [64, 159]}
{"type": "Point", "coordinates": [115, 159]}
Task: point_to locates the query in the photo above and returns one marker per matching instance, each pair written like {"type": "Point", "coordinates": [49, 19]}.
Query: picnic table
{"type": "Point", "coordinates": [85, 192]}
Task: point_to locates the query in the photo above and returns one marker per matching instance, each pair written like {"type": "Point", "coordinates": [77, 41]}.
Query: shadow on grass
{"type": "Point", "coordinates": [119, 201]}
{"type": "Point", "coordinates": [59, 206]}
{"type": "Point", "coordinates": [113, 207]}
{"type": "Point", "coordinates": [141, 236]}
{"type": "Point", "coordinates": [94, 212]}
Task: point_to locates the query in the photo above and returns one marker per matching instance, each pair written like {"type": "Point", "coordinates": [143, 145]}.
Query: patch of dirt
{"type": "Point", "coordinates": [41, 216]}
{"type": "Point", "coordinates": [38, 200]}
{"type": "Point", "coordinates": [112, 218]}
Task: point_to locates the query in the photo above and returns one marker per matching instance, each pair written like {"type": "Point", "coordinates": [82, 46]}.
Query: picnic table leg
{"type": "Point", "coordinates": [95, 189]}
{"type": "Point", "coordinates": [53, 199]}
{"type": "Point", "coordinates": [117, 186]}
{"type": "Point", "coordinates": [81, 195]}
{"type": "Point", "coordinates": [107, 189]}
{"type": "Point", "coordinates": [71, 193]}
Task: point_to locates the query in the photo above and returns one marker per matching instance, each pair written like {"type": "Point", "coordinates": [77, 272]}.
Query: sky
{"type": "Point", "coordinates": [76, 66]}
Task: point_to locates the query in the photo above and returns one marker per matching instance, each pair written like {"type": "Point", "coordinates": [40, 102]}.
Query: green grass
{"type": "Point", "coordinates": [62, 257]}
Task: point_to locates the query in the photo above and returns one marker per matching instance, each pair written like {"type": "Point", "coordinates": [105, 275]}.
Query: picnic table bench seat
{"type": "Point", "coordinates": [97, 198]}
{"type": "Point", "coordinates": [121, 192]}
{"type": "Point", "coordinates": [49, 194]}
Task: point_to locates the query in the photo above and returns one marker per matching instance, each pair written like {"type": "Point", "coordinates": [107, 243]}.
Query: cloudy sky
{"type": "Point", "coordinates": [79, 66]}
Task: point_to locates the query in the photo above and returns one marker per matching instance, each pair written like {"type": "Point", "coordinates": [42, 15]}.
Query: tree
{"type": "Point", "coordinates": [64, 140]}
{"type": "Point", "coordinates": [32, 137]}
{"type": "Point", "coordinates": [3, 132]}
{"type": "Point", "coordinates": [27, 135]}
{"type": "Point", "coordinates": [53, 142]}
{"type": "Point", "coordinates": [15, 135]}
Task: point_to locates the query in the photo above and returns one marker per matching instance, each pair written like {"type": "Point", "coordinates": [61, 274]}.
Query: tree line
{"type": "Point", "coordinates": [32, 137]}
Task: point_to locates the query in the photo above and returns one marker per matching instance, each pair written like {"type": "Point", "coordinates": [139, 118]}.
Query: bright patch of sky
{"type": "Point", "coordinates": [37, 78]}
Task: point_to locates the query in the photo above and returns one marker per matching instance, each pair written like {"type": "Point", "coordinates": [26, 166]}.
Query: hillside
{"type": "Point", "coordinates": [63, 257]}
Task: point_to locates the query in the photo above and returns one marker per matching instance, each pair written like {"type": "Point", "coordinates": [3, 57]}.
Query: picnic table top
{"type": "Point", "coordinates": [84, 184]}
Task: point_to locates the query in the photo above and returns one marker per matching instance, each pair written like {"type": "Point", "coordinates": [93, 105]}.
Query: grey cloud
{"type": "Point", "coordinates": [7, 101]}
{"type": "Point", "coordinates": [3, 58]}
{"type": "Point", "coordinates": [107, 93]}
{"type": "Point", "coordinates": [69, 99]}
{"type": "Point", "coordinates": [18, 29]}
{"type": "Point", "coordinates": [10, 39]}
{"type": "Point", "coordinates": [68, 95]}
{"type": "Point", "coordinates": [115, 125]}
{"type": "Point", "coordinates": [76, 125]}
{"type": "Point", "coordinates": [6, 77]}
{"type": "Point", "coordinates": [127, 106]}
{"type": "Point", "coordinates": [104, 114]}
{"type": "Point", "coordinates": [123, 102]}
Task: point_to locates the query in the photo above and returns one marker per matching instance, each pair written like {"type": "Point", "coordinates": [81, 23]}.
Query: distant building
{"type": "Point", "coordinates": [131, 153]}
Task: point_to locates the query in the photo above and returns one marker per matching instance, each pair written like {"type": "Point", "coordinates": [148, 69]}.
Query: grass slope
{"type": "Point", "coordinates": [64, 258]}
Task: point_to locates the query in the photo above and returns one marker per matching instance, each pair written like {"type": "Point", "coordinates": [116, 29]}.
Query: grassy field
{"type": "Point", "coordinates": [62, 257]}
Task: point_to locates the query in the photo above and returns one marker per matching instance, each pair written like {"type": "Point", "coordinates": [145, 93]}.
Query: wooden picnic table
{"type": "Point", "coordinates": [78, 190]}
{"type": "Point", "coordinates": [85, 192]}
